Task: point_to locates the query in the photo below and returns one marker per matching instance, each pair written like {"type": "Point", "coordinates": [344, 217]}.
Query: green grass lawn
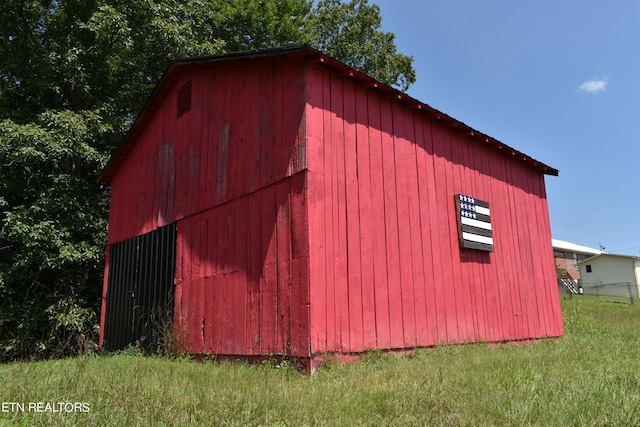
{"type": "Point", "coordinates": [591, 376]}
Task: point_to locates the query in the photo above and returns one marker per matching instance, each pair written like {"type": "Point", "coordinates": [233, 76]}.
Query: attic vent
{"type": "Point", "coordinates": [184, 99]}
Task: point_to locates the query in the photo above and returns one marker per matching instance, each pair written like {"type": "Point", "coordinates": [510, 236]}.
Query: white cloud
{"type": "Point", "coordinates": [594, 85]}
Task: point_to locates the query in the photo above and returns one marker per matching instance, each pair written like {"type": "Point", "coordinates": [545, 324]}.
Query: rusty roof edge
{"type": "Point", "coordinates": [175, 66]}
{"type": "Point", "coordinates": [248, 54]}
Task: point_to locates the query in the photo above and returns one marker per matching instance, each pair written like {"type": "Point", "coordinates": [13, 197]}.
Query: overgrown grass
{"type": "Point", "coordinates": [589, 377]}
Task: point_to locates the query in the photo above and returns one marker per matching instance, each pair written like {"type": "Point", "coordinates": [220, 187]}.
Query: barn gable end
{"type": "Point", "coordinates": [314, 212]}
{"type": "Point", "coordinates": [227, 168]}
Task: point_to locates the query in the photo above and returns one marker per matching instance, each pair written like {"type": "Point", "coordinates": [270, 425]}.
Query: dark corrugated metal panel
{"type": "Point", "coordinates": [140, 290]}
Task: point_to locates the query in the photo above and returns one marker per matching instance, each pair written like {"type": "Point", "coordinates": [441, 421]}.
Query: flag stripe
{"type": "Point", "coordinates": [482, 210]}
{"type": "Point", "coordinates": [476, 223]}
{"type": "Point", "coordinates": [476, 230]}
{"type": "Point", "coordinates": [476, 238]}
{"type": "Point", "coordinates": [485, 218]}
{"type": "Point", "coordinates": [481, 203]}
{"type": "Point", "coordinates": [475, 245]}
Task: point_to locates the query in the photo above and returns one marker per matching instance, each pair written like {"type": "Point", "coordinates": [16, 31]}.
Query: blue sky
{"type": "Point", "coordinates": [557, 80]}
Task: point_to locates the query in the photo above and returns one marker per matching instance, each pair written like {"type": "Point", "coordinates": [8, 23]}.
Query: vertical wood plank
{"type": "Point", "coordinates": [534, 277]}
{"type": "Point", "coordinates": [403, 161]}
{"type": "Point", "coordinates": [254, 267]}
{"type": "Point", "coordinates": [500, 221]}
{"type": "Point", "coordinates": [340, 218]}
{"type": "Point", "coordinates": [225, 280]}
{"type": "Point", "coordinates": [442, 265]}
{"type": "Point", "coordinates": [509, 276]}
{"type": "Point", "coordinates": [176, 133]}
{"type": "Point", "coordinates": [300, 273]}
{"type": "Point", "coordinates": [299, 325]}
{"type": "Point", "coordinates": [283, 104]}
{"type": "Point", "coordinates": [314, 231]}
{"type": "Point", "coordinates": [239, 125]}
{"type": "Point", "coordinates": [202, 106]}
{"type": "Point", "coordinates": [211, 119]}
{"type": "Point", "coordinates": [197, 247]}
{"type": "Point", "coordinates": [513, 305]}
{"type": "Point", "coordinates": [468, 259]}
{"type": "Point", "coordinates": [460, 293]}
{"type": "Point", "coordinates": [396, 325]}
{"type": "Point", "coordinates": [223, 139]}
{"type": "Point", "coordinates": [354, 283]}
{"type": "Point", "coordinates": [530, 280]}
{"type": "Point", "coordinates": [330, 213]}
{"type": "Point", "coordinates": [412, 129]}
{"type": "Point", "coordinates": [493, 276]}
{"type": "Point", "coordinates": [426, 195]}
{"type": "Point", "coordinates": [269, 276]}
{"type": "Point", "coordinates": [379, 244]}
{"type": "Point", "coordinates": [239, 239]}
{"type": "Point", "coordinates": [251, 139]}
{"type": "Point", "coordinates": [202, 228]}
{"type": "Point", "coordinates": [365, 216]}
{"type": "Point", "coordinates": [283, 242]}
{"type": "Point", "coordinates": [477, 281]}
{"type": "Point", "coordinates": [320, 217]}
{"type": "Point", "coordinates": [454, 307]}
{"type": "Point", "coordinates": [267, 125]}
{"type": "Point", "coordinates": [195, 135]}
{"type": "Point", "coordinates": [215, 291]}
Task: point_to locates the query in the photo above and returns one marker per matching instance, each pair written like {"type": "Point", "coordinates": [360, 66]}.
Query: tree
{"type": "Point", "coordinates": [351, 32]}
{"type": "Point", "coordinates": [73, 76]}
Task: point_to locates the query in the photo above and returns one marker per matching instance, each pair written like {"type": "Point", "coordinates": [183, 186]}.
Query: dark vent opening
{"type": "Point", "coordinates": [184, 99]}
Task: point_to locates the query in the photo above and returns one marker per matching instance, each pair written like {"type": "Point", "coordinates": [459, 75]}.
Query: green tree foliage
{"type": "Point", "coordinates": [73, 76]}
{"type": "Point", "coordinates": [351, 33]}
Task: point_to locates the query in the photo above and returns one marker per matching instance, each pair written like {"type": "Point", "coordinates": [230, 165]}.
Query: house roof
{"type": "Point", "coordinates": [176, 66]}
{"type": "Point", "coordinates": [603, 255]}
{"type": "Point", "coordinates": [572, 247]}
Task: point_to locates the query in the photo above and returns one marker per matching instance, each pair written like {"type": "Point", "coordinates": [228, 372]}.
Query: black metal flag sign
{"type": "Point", "coordinates": [474, 223]}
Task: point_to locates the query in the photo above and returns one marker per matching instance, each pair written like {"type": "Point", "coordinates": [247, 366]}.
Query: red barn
{"type": "Point", "coordinates": [278, 202]}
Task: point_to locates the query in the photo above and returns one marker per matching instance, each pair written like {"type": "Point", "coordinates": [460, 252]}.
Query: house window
{"type": "Point", "coordinates": [588, 267]}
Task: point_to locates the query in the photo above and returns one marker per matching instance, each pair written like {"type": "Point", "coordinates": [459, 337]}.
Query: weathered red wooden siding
{"type": "Point", "coordinates": [243, 134]}
{"type": "Point", "coordinates": [232, 173]}
{"type": "Point", "coordinates": [386, 270]}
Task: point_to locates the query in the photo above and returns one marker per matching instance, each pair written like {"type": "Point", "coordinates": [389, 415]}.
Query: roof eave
{"type": "Point", "coordinates": [397, 95]}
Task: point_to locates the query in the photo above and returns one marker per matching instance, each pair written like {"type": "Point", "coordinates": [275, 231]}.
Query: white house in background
{"type": "Point", "coordinates": [610, 274]}
{"type": "Point", "coordinates": [568, 255]}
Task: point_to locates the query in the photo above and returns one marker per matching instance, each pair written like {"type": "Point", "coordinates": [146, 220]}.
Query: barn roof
{"type": "Point", "coordinates": [176, 66]}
